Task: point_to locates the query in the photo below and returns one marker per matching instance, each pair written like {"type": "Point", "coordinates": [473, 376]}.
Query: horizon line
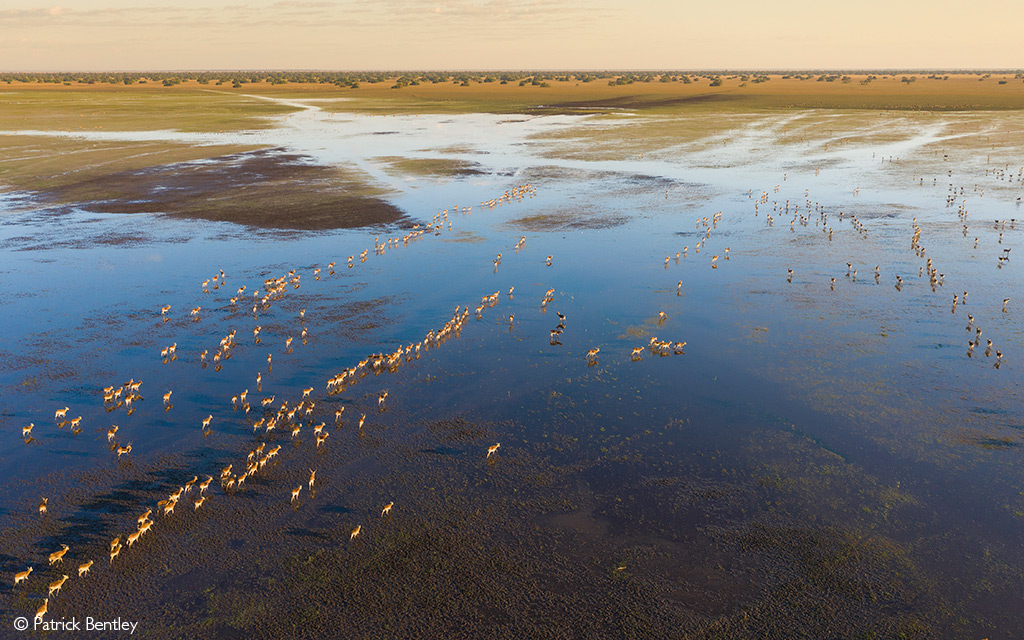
{"type": "Point", "coordinates": [773, 70]}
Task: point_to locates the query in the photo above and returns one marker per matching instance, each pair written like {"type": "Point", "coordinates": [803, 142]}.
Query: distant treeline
{"type": "Point", "coordinates": [399, 80]}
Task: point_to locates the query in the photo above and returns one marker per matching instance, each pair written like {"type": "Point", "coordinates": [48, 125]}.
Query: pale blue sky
{"type": "Point", "coordinates": [509, 34]}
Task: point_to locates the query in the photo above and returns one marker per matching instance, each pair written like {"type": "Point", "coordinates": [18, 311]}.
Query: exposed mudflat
{"type": "Point", "coordinates": [268, 188]}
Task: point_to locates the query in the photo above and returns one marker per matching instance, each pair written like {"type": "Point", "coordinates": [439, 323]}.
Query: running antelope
{"type": "Point", "coordinates": [60, 414]}
{"type": "Point", "coordinates": [355, 532]}
{"type": "Point", "coordinates": [27, 431]}
{"type": "Point", "coordinates": [387, 509]}
{"type": "Point", "coordinates": [167, 397]}
{"type": "Point", "coordinates": [41, 611]}
{"type": "Point", "coordinates": [22, 576]}
{"type": "Point", "coordinates": [83, 569]}
{"type": "Point", "coordinates": [58, 556]}
{"type": "Point", "coordinates": [206, 422]}
{"type": "Point", "coordinates": [491, 449]}
{"type": "Point", "coordinates": [56, 585]}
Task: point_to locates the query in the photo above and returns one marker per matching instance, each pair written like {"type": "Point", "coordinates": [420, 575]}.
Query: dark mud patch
{"type": "Point", "coordinates": [432, 167]}
{"type": "Point", "coordinates": [266, 188]}
{"type": "Point", "coordinates": [637, 102]}
{"type": "Point", "coordinates": [571, 219]}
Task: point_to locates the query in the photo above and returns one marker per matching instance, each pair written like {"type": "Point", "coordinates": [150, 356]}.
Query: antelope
{"type": "Point", "coordinates": [164, 310]}
{"type": "Point", "coordinates": [58, 556]}
{"type": "Point", "coordinates": [124, 450]}
{"type": "Point", "coordinates": [205, 484]}
{"type": "Point", "coordinates": [114, 552]}
{"type": "Point", "coordinates": [381, 398]}
{"type": "Point", "coordinates": [116, 542]}
{"type": "Point", "coordinates": [387, 509]}
{"type": "Point", "coordinates": [491, 449]}
{"type": "Point", "coordinates": [355, 532]}
{"type": "Point", "coordinates": [312, 478]}
{"type": "Point", "coordinates": [132, 537]}
{"type": "Point", "coordinates": [167, 397]}
{"type": "Point", "coordinates": [206, 421]}
{"type": "Point", "coordinates": [168, 508]}
{"type": "Point", "coordinates": [287, 345]}
{"type": "Point", "coordinates": [144, 517]}
{"type": "Point", "coordinates": [306, 392]}
{"type": "Point", "coordinates": [195, 311]}
{"type": "Point", "coordinates": [548, 261]}
{"type": "Point", "coordinates": [41, 611]}
{"type": "Point", "coordinates": [83, 569]}
{"type": "Point", "coordinates": [56, 585]}
{"type": "Point", "coordinates": [27, 431]}
{"type": "Point", "coordinates": [295, 492]}
{"type": "Point", "coordinates": [337, 414]}
{"type": "Point", "coordinates": [42, 505]}
{"type": "Point", "coordinates": [61, 413]}
{"type": "Point", "coordinates": [320, 439]}
{"type": "Point", "coordinates": [146, 526]}
{"type": "Point", "coordinates": [362, 419]}
{"type": "Point", "coordinates": [22, 576]}
{"type": "Point", "coordinates": [593, 353]}
{"type": "Point", "coordinates": [198, 503]}
{"type": "Point", "coordinates": [637, 351]}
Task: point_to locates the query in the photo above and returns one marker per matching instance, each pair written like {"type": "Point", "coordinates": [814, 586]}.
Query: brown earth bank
{"type": "Point", "coordinates": [266, 188]}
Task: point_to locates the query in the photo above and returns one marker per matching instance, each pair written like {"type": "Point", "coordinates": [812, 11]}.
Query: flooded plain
{"type": "Point", "coordinates": [726, 357]}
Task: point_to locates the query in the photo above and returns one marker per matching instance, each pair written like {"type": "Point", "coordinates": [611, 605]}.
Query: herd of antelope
{"type": "Point", "coordinates": [285, 417]}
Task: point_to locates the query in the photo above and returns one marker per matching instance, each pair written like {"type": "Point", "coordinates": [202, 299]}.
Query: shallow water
{"type": "Point", "coordinates": [854, 409]}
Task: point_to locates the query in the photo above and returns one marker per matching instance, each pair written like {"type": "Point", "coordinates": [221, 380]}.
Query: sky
{"type": "Point", "coordinates": [130, 35]}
